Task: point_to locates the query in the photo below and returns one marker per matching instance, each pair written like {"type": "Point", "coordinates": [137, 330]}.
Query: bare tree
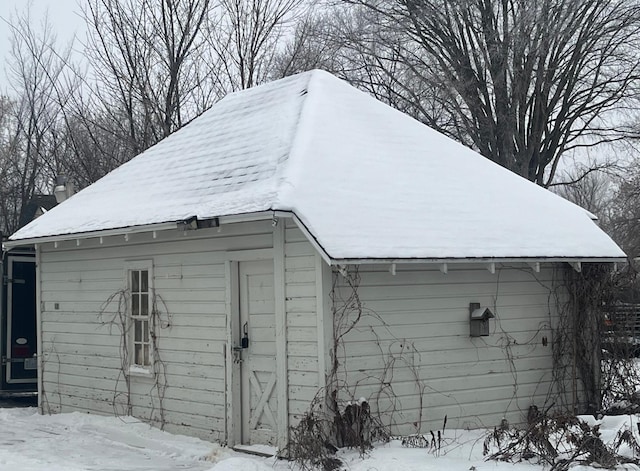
{"type": "Point", "coordinates": [145, 56]}
{"type": "Point", "coordinates": [624, 212]}
{"type": "Point", "coordinates": [591, 189]}
{"type": "Point", "coordinates": [626, 216]}
{"type": "Point", "coordinates": [32, 148]}
{"type": "Point", "coordinates": [152, 67]}
{"type": "Point", "coordinates": [522, 82]}
{"type": "Point", "coordinates": [309, 46]}
{"type": "Point", "coordinates": [246, 38]}
{"type": "Point", "coordinates": [94, 144]}
{"type": "Point", "coordinates": [357, 44]}
{"type": "Point", "coordinates": [8, 138]}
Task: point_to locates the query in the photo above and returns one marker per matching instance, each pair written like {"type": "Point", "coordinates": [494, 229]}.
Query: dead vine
{"type": "Point", "coordinates": [312, 441]}
{"type": "Point", "coordinates": [335, 418]}
{"type": "Point", "coordinates": [120, 319]}
{"type": "Point", "coordinates": [577, 303]}
{"type": "Point", "coordinates": [585, 347]}
{"type": "Point", "coordinates": [433, 442]}
{"type": "Point", "coordinates": [558, 441]}
{"type": "Point", "coordinates": [45, 404]}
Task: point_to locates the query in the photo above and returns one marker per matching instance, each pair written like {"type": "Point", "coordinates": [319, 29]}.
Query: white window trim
{"type": "Point", "coordinates": [134, 369]}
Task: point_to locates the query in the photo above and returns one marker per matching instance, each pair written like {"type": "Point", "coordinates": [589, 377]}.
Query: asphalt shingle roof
{"type": "Point", "coordinates": [367, 181]}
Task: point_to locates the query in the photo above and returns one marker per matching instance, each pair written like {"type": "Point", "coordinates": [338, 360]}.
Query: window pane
{"type": "Point", "coordinates": [147, 359]}
{"type": "Point", "coordinates": [144, 281]}
{"type": "Point", "coordinates": [144, 304]}
{"type": "Point", "coordinates": [146, 331]}
{"type": "Point", "coordinates": [138, 358]}
{"type": "Point", "coordinates": [135, 304]}
{"type": "Point", "coordinates": [135, 281]}
{"type": "Point", "coordinates": [137, 331]}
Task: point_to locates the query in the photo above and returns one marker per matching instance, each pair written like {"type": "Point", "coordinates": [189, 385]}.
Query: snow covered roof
{"type": "Point", "coordinates": [366, 181]}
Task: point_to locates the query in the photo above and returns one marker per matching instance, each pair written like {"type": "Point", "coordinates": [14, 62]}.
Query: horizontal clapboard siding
{"type": "Point", "coordinates": [81, 334]}
{"type": "Point", "coordinates": [412, 356]}
{"type": "Point", "coordinates": [302, 322]}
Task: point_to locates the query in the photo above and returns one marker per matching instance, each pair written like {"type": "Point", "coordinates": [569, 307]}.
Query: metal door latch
{"type": "Point", "coordinates": [237, 354]}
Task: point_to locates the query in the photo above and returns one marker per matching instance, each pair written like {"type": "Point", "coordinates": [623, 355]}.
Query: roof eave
{"type": "Point", "coordinates": [448, 260]}
{"type": "Point", "coordinates": [458, 260]}
{"type": "Point", "coordinates": [10, 243]}
{"type": "Point", "coordinates": [118, 231]}
{"type": "Point", "coordinates": [274, 214]}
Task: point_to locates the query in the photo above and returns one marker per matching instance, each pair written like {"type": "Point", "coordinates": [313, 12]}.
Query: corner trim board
{"type": "Point", "coordinates": [282, 385]}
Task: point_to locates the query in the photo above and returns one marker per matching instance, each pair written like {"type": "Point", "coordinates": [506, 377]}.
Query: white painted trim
{"type": "Point", "coordinates": [324, 319]}
{"type": "Point", "coordinates": [154, 228]}
{"type": "Point", "coordinates": [92, 234]}
{"type": "Point", "coordinates": [270, 214]}
{"type": "Point", "coordinates": [282, 383]}
{"type": "Point", "coordinates": [146, 263]}
{"type": "Point", "coordinates": [233, 416]}
{"type": "Point", "coordinates": [39, 348]}
{"type": "Point", "coordinates": [251, 217]}
{"type": "Point", "coordinates": [228, 356]}
{"type": "Point", "coordinates": [452, 261]}
{"type": "Point", "coordinates": [234, 406]}
{"type": "Point", "coordinates": [320, 321]}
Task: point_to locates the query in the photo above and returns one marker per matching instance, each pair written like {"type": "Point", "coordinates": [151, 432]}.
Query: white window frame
{"type": "Point", "coordinates": [140, 322]}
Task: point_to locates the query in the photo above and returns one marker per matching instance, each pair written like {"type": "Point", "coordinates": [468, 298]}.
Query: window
{"type": "Point", "coordinates": [140, 309]}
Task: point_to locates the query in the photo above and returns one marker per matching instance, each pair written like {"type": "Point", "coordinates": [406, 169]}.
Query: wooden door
{"type": "Point", "coordinates": [259, 404]}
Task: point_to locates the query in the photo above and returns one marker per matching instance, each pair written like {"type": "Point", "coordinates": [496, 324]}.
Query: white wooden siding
{"type": "Point", "coordinates": [82, 352]}
{"type": "Point", "coordinates": [302, 322]}
{"type": "Point", "coordinates": [411, 354]}
{"type": "Point", "coordinates": [417, 322]}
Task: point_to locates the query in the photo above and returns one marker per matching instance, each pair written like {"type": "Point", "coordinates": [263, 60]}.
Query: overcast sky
{"type": "Point", "coordinates": [63, 15]}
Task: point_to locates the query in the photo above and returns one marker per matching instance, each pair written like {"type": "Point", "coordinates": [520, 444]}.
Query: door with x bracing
{"type": "Point", "coordinates": [257, 355]}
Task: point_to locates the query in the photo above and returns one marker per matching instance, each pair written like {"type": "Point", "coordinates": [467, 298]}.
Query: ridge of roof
{"type": "Point", "coordinates": [284, 179]}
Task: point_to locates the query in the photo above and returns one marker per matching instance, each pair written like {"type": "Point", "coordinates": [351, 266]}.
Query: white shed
{"type": "Point", "coordinates": [204, 286]}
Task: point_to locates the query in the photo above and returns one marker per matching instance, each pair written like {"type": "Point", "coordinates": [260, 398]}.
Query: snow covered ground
{"type": "Point", "coordinates": [81, 442]}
